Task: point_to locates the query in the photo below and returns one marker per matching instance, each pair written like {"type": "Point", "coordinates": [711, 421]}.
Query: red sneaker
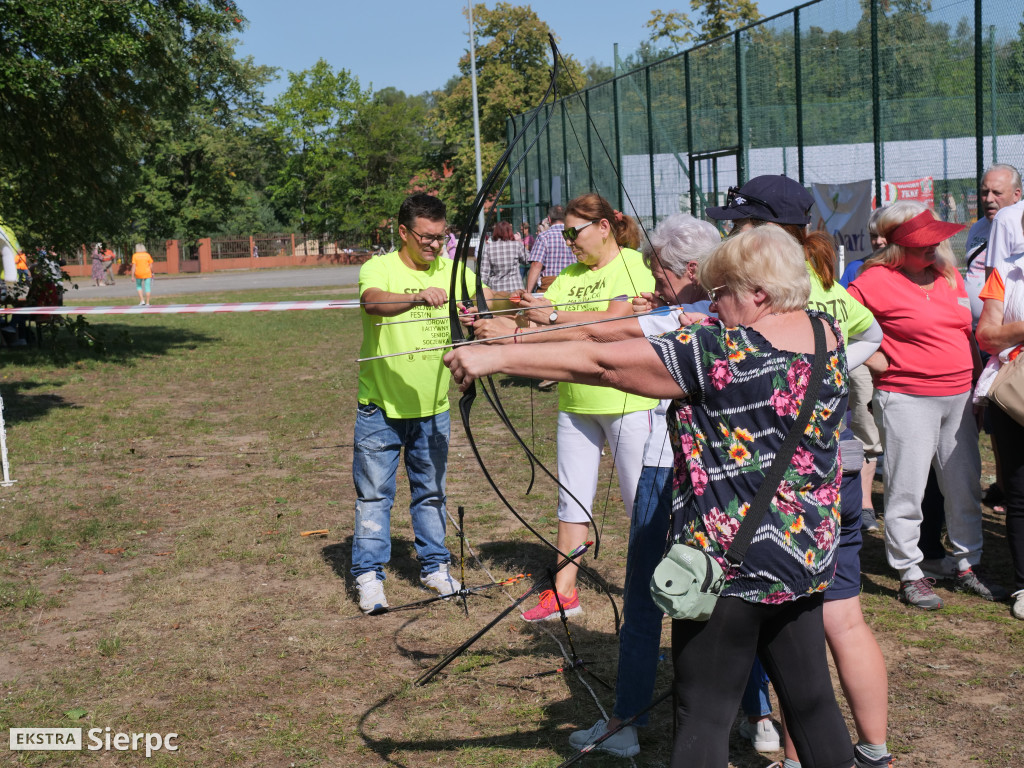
{"type": "Point", "coordinates": [547, 608]}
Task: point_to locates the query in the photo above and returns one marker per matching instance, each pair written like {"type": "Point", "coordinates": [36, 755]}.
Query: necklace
{"type": "Point", "coordinates": [927, 276]}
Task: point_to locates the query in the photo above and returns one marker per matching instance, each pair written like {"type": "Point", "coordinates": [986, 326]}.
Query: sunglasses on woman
{"type": "Point", "coordinates": [735, 199]}
{"type": "Point", "coordinates": [571, 233]}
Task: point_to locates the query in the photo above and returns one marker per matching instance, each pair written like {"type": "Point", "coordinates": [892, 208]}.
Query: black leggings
{"type": "Point", "coordinates": [1009, 437]}
{"type": "Point", "coordinates": [712, 660]}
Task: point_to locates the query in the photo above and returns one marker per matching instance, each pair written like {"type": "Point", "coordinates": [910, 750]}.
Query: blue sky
{"type": "Point", "coordinates": [415, 45]}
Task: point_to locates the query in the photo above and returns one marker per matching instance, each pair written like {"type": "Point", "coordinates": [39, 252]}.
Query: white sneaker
{"type": "Point", "coordinates": [1018, 604]}
{"type": "Point", "coordinates": [371, 593]}
{"type": "Point", "coordinates": [762, 734]}
{"type": "Point", "coordinates": [441, 581]}
{"type": "Point", "coordinates": [622, 744]}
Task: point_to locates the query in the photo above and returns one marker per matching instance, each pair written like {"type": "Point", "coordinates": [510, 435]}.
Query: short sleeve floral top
{"type": "Point", "coordinates": [744, 397]}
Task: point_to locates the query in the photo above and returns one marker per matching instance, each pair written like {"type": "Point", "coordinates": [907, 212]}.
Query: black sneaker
{"type": "Point", "coordinates": [919, 593]}
{"type": "Point", "coordinates": [973, 580]}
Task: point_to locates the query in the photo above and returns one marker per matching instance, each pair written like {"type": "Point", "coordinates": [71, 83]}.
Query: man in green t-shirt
{"type": "Point", "coordinates": [403, 401]}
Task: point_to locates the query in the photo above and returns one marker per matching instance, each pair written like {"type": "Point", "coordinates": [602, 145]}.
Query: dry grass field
{"type": "Point", "coordinates": [154, 577]}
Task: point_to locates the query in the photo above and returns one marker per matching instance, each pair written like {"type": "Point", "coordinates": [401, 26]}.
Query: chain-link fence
{"type": "Point", "coordinates": [831, 91]}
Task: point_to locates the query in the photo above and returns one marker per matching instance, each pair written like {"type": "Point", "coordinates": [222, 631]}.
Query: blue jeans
{"type": "Point", "coordinates": [378, 442]}
{"type": "Point", "coordinates": [640, 636]}
{"type": "Point", "coordinates": [755, 701]}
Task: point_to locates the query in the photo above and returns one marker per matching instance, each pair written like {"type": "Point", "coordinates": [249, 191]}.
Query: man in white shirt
{"type": "Point", "coordinates": [1000, 188]}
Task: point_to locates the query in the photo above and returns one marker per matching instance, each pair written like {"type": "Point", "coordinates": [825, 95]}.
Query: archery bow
{"type": "Point", "coordinates": [458, 334]}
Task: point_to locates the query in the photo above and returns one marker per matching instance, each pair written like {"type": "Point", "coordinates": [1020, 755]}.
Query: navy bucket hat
{"type": "Point", "coordinates": [778, 199]}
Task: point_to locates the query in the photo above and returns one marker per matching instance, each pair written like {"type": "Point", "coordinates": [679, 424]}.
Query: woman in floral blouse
{"type": "Point", "coordinates": [737, 381]}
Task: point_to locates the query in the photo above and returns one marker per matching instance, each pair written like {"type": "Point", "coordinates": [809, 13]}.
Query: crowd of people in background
{"type": "Point", "coordinates": [689, 360]}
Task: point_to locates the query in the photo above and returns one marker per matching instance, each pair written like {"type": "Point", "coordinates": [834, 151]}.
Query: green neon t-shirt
{"type": "Point", "coordinates": [627, 276]}
{"type": "Point", "coordinates": [415, 385]}
{"type": "Point", "coordinates": [853, 317]}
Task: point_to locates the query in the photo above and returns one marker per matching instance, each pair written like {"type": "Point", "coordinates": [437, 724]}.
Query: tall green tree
{"type": "Point", "coordinates": [83, 86]}
{"type": "Point", "coordinates": [513, 62]}
{"type": "Point", "coordinates": [391, 142]}
{"type": "Point", "coordinates": [201, 168]}
{"type": "Point", "coordinates": [310, 121]}
{"type": "Point", "coordinates": [348, 156]}
{"type": "Point", "coordinates": [707, 20]}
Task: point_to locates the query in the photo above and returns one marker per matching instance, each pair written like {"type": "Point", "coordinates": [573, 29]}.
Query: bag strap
{"type": "Point", "coordinates": [738, 549]}
{"type": "Point", "coordinates": [975, 253]}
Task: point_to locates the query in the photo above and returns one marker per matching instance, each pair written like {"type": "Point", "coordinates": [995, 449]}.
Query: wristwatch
{"type": "Point", "coordinates": [553, 317]}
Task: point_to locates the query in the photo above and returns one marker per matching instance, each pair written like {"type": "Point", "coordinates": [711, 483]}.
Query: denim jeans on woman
{"type": "Point", "coordinates": [640, 636]}
{"type": "Point", "coordinates": [379, 442]}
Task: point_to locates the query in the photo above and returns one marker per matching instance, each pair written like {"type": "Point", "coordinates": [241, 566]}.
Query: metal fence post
{"type": "Point", "coordinates": [994, 95]}
{"type": "Point", "coordinates": [617, 171]}
{"type": "Point", "coordinates": [876, 107]}
{"type": "Point", "coordinates": [689, 135]}
{"type": "Point", "coordinates": [509, 135]}
{"type": "Point", "coordinates": [565, 156]}
{"type": "Point", "coordinates": [741, 96]}
{"type": "Point", "coordinates": [551, 168]}
{"type": "Point", "coordinates": [650, 144]}
{"type": "Point", "coordinates": [590, 153]}
{"type": "Point", "coordinates": [799, 85]}
{"type": "Point", "coordinates": [526, 159]}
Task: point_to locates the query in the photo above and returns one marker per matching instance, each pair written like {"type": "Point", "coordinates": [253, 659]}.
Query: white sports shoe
{"type": "Point", "coordinates": [441, 581]}
{"type": "Point", "coordinates": [762, 734]}
{"type": "Point", "coordinates": [1018, 604]}
{"type": "Point", "coordinates": [371, 593]}
{"type": "Point", "coordinates": [622, 744]}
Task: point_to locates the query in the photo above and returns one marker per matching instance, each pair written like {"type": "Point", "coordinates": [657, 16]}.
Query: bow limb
{"type": "Point", "coordinates": [459, 288]}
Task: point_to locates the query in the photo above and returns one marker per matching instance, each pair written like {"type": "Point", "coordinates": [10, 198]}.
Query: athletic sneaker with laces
{"type": "Point", "coordinates": [919, 593]}
{"type": "Point", "coordinates": [547, 608]}
{"type": "Point", "coordinates": [622, 744]}
{"type": "Point", "coordinates": [762, 734]}
{"type": "Point", "coordinates": [975, 581]}
{"type": "Point", "coordinates": [371, 593]}
{"type": "Point", "coordinates": [1017, 609]}
{"type": "Point", "coordinates": [863, 760]}
{"type": "Point", "coordinates": [441, 581]}
{"type": "Point", "coordinates": [868, 521]}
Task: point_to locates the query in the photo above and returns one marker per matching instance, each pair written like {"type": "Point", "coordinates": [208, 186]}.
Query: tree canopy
{"type": "Point", "coordinates": [84, 87]}
{"type": "Point", "coordinates": [513, 61]}
{"type": "Point", "coordinates": [139, 119]}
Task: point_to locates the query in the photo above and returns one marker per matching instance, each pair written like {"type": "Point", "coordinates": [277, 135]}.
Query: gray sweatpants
{"type": "Point", "coordinates": [921, 431]}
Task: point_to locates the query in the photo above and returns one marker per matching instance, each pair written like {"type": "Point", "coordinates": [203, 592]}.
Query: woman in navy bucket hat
{"type": "Point", "coordinates": [783, 201]}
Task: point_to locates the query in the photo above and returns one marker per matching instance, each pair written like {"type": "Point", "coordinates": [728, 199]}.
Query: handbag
{"type": "Point", "coordinates": [1007, 389]}
{"type": "Point", "coordinates": [687, 582]}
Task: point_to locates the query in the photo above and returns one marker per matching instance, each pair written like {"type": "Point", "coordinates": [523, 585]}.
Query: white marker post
{"type": "Point", "coordinates": [7, 482]}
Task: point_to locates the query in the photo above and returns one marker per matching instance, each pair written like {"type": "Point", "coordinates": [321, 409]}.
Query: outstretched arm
{"type": "Point", "coordinates": [630, 366]}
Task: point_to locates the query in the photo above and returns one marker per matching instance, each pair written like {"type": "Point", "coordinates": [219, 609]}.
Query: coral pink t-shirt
{"type": "Point", "coordinates": [926, 333]}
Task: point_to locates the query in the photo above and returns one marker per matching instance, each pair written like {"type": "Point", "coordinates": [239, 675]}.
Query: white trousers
{"type": "Point", "coordinates": [921, 432]}
{"type": "Point", "coordinates": [580, 439]}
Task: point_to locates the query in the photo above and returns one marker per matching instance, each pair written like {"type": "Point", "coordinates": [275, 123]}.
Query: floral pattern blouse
{"type": "Point", "coordinates": [744, 397]}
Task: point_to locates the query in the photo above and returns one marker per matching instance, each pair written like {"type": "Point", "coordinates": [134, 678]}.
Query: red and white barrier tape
{"type": "Point", "coordinates": [180, 309]}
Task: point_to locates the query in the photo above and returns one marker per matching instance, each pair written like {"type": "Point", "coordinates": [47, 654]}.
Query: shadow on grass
{"type": "Point", "coordinates": [116, 343]}
{"type": "Point", "coordinates": [523, 670]}
{"type": "Point", "coordinates": [21, 405]}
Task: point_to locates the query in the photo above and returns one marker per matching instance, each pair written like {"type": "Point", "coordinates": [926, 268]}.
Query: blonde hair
{"type": "Point", "coordinates": [768, 258]}
{"type": "Point", "coordinates": [892, 255]}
